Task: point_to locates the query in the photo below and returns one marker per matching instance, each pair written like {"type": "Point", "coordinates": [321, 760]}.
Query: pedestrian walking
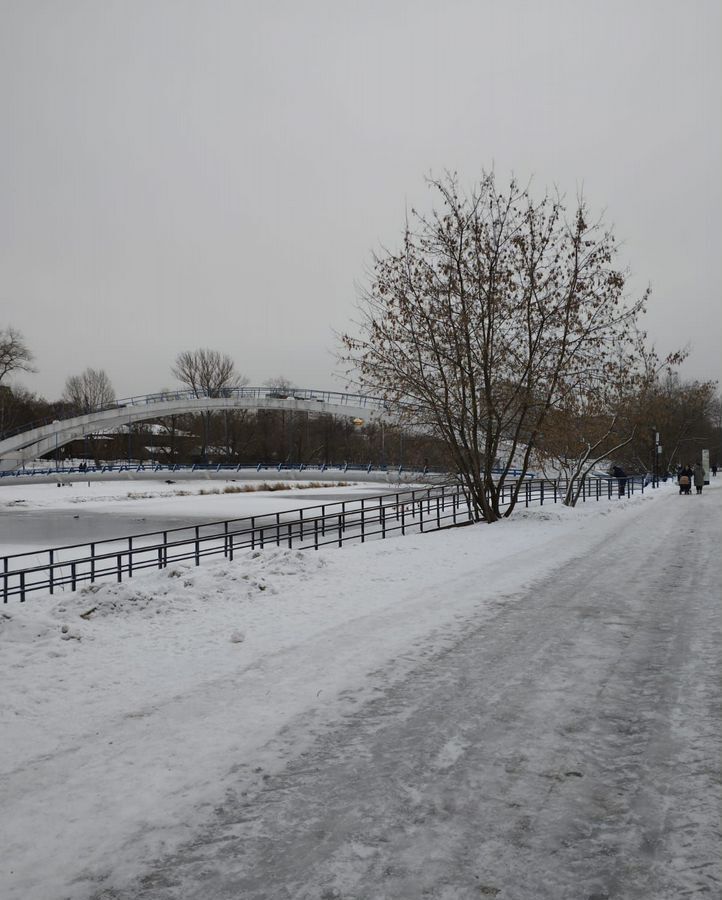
{"type": "Point", "coordinates": [621, 476]}
{"type": "Point", "coordinates": [698, 475]}
{"type": "Point", "coordinates": [714, 470]}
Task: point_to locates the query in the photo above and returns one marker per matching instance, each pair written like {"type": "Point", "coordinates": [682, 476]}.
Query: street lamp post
{"type": "Point", "coordinates": [657, 449]}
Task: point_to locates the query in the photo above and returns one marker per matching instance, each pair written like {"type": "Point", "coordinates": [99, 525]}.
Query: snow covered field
{"type": "Point", "coordinates": [520, 711]}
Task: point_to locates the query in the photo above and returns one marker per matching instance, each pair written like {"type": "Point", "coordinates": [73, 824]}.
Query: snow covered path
{"type": "Point", "coordinates": [563, 749]}
{"type": "Point", "coordinates": [525, 711]}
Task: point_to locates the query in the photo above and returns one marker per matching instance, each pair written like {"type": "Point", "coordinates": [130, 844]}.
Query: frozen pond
{"type": "Point", "coordinates": [42, 516]}
{"type": "Point", "coordinates": [52, 528]}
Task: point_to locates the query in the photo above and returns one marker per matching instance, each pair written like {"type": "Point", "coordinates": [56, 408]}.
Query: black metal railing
{"type": "Point", "coordinates": [328, 524]}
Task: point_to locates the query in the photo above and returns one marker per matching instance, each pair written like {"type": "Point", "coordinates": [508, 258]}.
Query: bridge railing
{"type": "Point", "coordinates": [338, 398]}
{"type": "Point", "coordinates": [381, 516]}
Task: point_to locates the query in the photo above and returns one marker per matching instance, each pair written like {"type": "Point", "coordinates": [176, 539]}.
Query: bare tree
{"type": "Point", "coordinates": [576, 442]}
{"type": "Point", "coordinates": [683, 413]}
{"type": "Point", "coordinates": [14, 353]}
{"type": "Point", "coordinates": [287, 429]}
{"type": "Point", "coordinates": [598, 421]}
{"type": "Point", "coordinates": [207, 373]}
{"type": "Point", "coordinates": [90, 390]}
{"type": "Point", "coordinates": [495, 308]}
{"type": "Point", "coordinates": [87, 392]}
{"type": "Point", "coordinates": [279, 386]}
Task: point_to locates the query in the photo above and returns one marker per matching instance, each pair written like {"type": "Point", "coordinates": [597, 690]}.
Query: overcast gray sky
{"type": "Point", "coordinates": [179, 174]}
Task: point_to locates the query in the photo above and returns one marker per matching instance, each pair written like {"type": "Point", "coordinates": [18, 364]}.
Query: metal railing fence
{"type": "Point", "coordinates": [342, 468]}
{"type": "Point", "coordinates": [329, 524]}
{"type": "Point", "coordinates": [228, 468]}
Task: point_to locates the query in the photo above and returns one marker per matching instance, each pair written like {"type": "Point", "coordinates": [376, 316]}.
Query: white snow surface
{"type": "Point", "coordinates": [129, 711]}
{"type": "Point", "coordinates": [191, 498]}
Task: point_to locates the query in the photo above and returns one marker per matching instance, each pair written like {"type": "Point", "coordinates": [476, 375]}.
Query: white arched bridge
{"type": "Point", "coordinates": [38, 439]}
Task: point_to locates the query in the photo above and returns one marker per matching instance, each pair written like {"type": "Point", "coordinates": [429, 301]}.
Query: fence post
{"type": "Point", "coordinates": [119, 560]}
{"type": "Point", "coordinates": [22, 587]}
{"type": "Point", "coordinates": [541, 493]}
{"type": "Point", "coordinates": [225, 538]}
{"type": "Point", "coordinates": [198, 546]}
{"type": "Point", "coordinates": [278, 529]}
{"type": "Point", "coordinates": [51, 574]}
{"type": "Point", "coordinates": [130, 558]}
{"type": "Point", "coordinates": [92, 563]}
{"type": "Point", "coordinates": [438, 514]}
{"type": "Point", "coordinates": [421, 514]}
{"type": "Point", "coordinates": [363, 520]}
{"type": "Point", "coordinates": [290, 535]}
{"type": "Point", "coordinates": [165, 549]}
{"type": "Point", "coordinates": [230, 547]}
{"type": "Point", "coordinates": [72, 576]}
{"type": "Point", "coordinates": [5, 579]}
{"type": "Point", "coordinates": [315, 534]}
{"type": "Point", "coordinates": [382, 518]}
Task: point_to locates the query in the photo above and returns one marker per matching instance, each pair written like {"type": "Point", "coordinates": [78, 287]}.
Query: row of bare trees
{"type": "Point", "coordinates": [684, 415]}
{"type": "Point", "coordinates": [269, 437]}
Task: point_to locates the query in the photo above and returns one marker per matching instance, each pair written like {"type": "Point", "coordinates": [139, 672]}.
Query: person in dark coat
{"type": "Point", "coordinates": [621, 476]}
{"type": "Point", "coordinates": [698, 476]}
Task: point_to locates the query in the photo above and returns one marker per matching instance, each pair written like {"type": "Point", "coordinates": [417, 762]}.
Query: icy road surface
{"type": "Point", "coordinates": [541, 720]}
